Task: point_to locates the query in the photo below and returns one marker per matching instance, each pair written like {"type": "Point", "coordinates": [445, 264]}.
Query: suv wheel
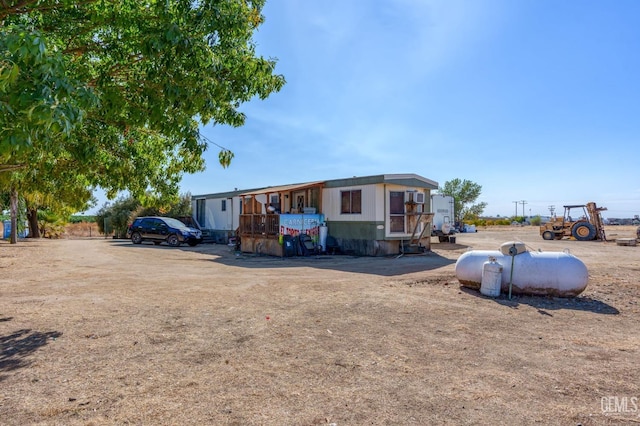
{"type": "Point", "coordinates": [136, 238]}
{"type": "Point", "coordinates": [173, 240]}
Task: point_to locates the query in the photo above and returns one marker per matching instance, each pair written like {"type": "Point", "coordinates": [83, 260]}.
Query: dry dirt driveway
{"type": "Point", "coordinates": [96, 331]}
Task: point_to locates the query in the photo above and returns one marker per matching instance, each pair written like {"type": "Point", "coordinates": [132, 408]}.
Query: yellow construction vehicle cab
{"type": "Point", "coordinates": [582, 222]}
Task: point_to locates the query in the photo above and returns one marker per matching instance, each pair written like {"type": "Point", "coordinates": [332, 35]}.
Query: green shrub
{"type": "Point", "coordinates": [82, 218]}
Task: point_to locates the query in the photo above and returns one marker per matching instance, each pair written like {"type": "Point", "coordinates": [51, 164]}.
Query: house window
{"type": "Point", "coordinates": [396, 211]}
{"type": "Point", "coordinates": [274, 201]}
{"type": "Point", "coordinates": [351, 202]}
{"type": "Point", "coordinates": [224, 206]}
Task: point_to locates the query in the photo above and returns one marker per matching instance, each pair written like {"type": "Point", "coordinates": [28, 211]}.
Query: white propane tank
{"type": "Point", "coordinates": [491, 278]}
{"type": "Point", "coordinates": [542, 273]}
{"type": "Point", "coordinates": [512, 248]}
{"type": "Point", "coordinates": [324, 231]}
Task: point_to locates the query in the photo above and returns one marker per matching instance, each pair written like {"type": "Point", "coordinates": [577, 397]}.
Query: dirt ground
{"type": "Point", "coordinates": [99, 331]}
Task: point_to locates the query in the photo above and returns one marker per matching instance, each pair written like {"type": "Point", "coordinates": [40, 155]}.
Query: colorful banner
{"type": "Point", "coordinates": [296, 224]}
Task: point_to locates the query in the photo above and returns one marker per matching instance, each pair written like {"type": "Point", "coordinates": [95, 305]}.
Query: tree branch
{"type": "Point", "coordinates": [16, 9]}
{"type": "Point", "coordinates": [11, 167]}
{"type": "Point", "coordinates": [23, 7]}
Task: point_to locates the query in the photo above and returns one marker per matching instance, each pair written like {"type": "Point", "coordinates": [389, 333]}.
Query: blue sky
{"type": "Point", "coordinates": [535, 100]}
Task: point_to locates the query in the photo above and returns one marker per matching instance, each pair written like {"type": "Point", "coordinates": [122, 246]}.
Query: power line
{"type": "Point", "coordinates": [212, 142]}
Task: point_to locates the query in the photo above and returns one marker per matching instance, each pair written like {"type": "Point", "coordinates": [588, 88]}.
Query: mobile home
{"type": "Point", "coordinates": [371, 215]}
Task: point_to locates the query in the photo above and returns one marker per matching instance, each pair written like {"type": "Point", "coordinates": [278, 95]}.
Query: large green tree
{"type": "Point", "coordinates": [116, 90]}
{"type": "Point", "coordinates": [464, 193]}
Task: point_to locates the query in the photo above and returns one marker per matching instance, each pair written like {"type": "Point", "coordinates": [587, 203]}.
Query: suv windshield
{"type": "Point", "coordinates": [174, 223]}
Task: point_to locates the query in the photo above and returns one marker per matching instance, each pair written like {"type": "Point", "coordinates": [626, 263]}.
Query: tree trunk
{"type": "Point", "coordinates": [32, 217]}
{"type": "Point", "coordinates": [14, 215]}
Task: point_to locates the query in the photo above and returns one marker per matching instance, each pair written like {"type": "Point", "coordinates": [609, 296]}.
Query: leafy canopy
{"type": "Point", "coordinates": [464, 193]}
{"type": "Point", "coordinates": [112, 93]}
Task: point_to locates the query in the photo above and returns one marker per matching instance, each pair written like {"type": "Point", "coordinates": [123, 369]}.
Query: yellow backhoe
{"type": "Point", "coordinates": [582, 222]}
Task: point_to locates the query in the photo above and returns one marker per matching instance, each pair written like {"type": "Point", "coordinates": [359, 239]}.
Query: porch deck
{"type": "Point", "coordinates": [259, 225]}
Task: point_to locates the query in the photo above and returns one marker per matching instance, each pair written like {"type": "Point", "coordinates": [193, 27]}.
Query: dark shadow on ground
{"type": "Point", "coordinates": [546, 304]}
{"type": "Point", "coordinates": [17, 346]}
{"type": "Point", "coordinates": [448, 246]}
{"type": "Point", "coordinates": [382, 265]}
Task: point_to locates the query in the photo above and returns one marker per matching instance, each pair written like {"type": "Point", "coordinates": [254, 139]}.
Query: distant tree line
{"type": "Point", "coordinates": [112, 218]}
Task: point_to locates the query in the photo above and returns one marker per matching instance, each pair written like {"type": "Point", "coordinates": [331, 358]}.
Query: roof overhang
{"type": "Point", "coordinates": [283, 188]}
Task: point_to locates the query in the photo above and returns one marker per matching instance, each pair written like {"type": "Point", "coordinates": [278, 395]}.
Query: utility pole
{"type": "Point", "coordinates": [552, 209]}
{"type": "Point", "coordinates": [523, 202]}
{"type": "Point", "coordinates": [516, 215]}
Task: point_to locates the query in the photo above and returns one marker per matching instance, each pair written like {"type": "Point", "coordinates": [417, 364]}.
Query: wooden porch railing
{"type": "Point", "coordinates": [267, 225]}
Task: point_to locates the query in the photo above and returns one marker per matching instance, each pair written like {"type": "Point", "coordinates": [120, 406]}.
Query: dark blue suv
{"type": "Point", "coordinates": [163, 229]}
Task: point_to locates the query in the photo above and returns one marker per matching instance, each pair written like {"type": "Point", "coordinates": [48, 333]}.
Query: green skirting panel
{"type": "Point", "coordinates": [365, 239]}
{"type": "Point", "coordinates": [356, 230]}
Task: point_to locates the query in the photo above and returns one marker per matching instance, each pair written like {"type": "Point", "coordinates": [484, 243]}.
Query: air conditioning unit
{"type": "Point", "coordinates": [414, 197]}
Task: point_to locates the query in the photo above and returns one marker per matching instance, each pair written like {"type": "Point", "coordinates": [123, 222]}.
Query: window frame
{"type": "Point", "coordinates": [353, 196]}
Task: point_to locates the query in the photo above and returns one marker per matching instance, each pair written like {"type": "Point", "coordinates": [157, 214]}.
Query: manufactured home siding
{"type": "Point", "coordinates": [331, 204]}
{"type": "Point", "coordinates": [236, 211]}
{"type": "Point", "coordinates": [380, 207]}
{"type": "Point", "coordinates": [214, 217]}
